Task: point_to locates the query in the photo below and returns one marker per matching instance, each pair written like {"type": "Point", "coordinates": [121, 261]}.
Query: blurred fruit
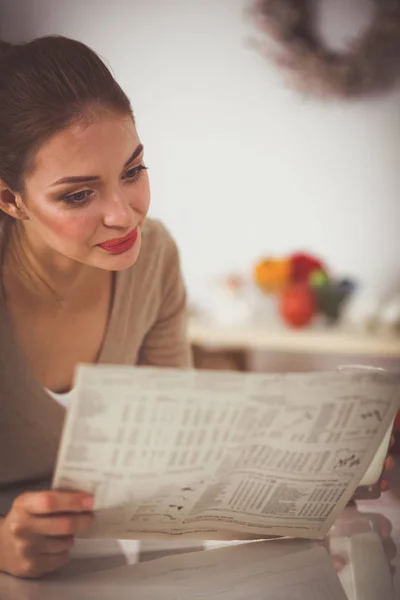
{"type": "Point", "coordinates": [302, 265]}
{"type": "Point", "coordinates": [318, 278]}
{"type": "Point", "coordinates": [297, 305]}
{"type": "Point", "coordinates": [272, 275]}
{"type": "Point", "coordinates": [331, 297]}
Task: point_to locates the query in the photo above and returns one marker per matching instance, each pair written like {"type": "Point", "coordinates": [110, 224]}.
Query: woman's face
{"type": "Point", "coordinates": [88, 194]}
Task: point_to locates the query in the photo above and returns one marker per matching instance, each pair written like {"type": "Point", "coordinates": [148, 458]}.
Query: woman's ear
{"type": "Point", "coordinates": [11, 203]}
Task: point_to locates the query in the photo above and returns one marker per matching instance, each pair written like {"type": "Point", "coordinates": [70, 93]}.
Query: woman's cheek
{"type": "Point", "coordinates": [142, 201]}
{"type": "Point", "coordinates": [76, 228]}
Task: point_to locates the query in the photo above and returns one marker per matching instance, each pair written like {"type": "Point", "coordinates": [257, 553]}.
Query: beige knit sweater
{"type": "Point", "coordinates": [147, 326]}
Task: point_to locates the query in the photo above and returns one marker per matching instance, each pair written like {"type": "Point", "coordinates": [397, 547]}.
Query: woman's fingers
{"type": "Point", "coordinates": [389, 463]}
{"type": "Point", "coordinates": [39, 565]}
{"type": "Point", "coordinates": [55, 545]}
{"type": "Point", "coordinates": [54, 501]}
{"type": "Point", "coordinates": [38, 533]}
{"type": "Point", "coordinates": [51, 525]}
{"type": "Point", "coordinates": [384, 485]}
{"type": "Point", "coordinates": [339, 562]}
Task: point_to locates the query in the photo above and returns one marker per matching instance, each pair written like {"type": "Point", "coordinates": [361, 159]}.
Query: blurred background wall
{"type": "Point", "coordinates": [240, 164]}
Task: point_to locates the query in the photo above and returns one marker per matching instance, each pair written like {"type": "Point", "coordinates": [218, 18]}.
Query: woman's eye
{"type": "Point", "coordinates": [78, 197]}
{"type": "Point", "coordinates": [134, 173]}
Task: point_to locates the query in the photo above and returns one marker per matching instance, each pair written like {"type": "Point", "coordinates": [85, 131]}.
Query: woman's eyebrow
{"type": "Point", "coordinates": [89, 178]}
{"type": "Point", "coordinates": [134, 155]}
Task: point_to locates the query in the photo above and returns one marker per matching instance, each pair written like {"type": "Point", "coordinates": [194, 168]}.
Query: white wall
{"type": "Point", "coordinates": [241, 165]}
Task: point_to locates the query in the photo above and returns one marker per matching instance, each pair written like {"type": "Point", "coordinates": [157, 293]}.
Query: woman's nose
{"type": "Point", "coordinates": [118, 211]}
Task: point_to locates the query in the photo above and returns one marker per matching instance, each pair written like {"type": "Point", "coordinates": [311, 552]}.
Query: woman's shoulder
{"type": "Point", "coordinates": [156, 233]}
{"type": "Point", "coordinates": [158, 244]}
{"type": "Point", "coordinates": [153, 281]}
{"type": "Point", "coordinates": [158, 259]}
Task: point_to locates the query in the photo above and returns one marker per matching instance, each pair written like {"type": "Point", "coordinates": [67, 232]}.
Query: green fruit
{"type": "Point", "coordinates": [318, 278]}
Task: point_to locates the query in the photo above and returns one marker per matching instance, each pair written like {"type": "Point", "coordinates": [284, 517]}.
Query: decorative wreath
{"type": "Point", "coordinates": [370, 65]}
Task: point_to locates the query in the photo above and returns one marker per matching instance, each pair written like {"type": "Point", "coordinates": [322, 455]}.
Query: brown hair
{"type": "Point", "coordinates": [45, 85]}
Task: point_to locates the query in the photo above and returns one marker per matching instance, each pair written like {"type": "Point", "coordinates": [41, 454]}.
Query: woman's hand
{"type": "Point", "coordinates": [353, 522]}
{"type": "Point", "coordinates": [38, 533]}
{"type": "Point", "coordinates": [389, 466]}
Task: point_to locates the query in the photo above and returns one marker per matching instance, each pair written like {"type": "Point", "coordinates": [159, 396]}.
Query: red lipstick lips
{"type": "Point", "coordinates": [119, 245]}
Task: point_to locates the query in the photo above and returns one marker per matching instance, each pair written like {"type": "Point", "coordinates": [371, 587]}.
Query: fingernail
{"type": "Point", "coordinates": [88, 502]}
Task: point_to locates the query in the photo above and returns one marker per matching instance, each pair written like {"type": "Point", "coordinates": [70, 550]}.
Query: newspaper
{"type": "Point", "coordinates": [221, 455]}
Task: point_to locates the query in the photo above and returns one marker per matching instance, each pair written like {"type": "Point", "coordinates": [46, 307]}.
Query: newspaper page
{"type": "Point", "coordinates": [221, 455]}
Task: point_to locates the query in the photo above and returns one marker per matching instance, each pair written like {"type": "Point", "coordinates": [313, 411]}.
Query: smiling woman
{"type": "Point", "coordinates": [84, 275]}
